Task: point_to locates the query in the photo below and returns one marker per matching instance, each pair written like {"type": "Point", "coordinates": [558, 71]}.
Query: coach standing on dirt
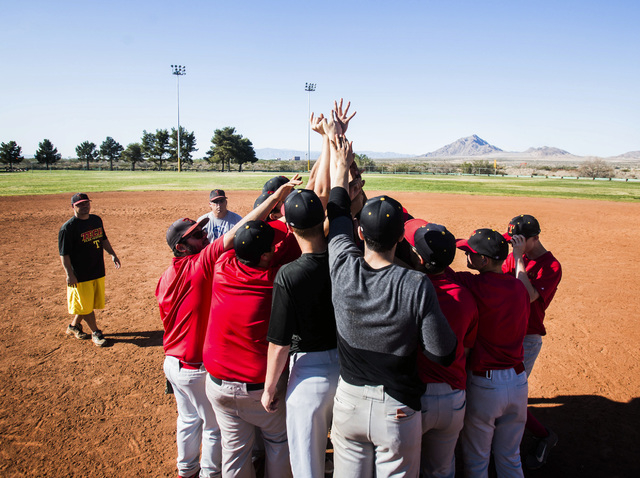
{"type": "Point", "coordinates": [81, 241]}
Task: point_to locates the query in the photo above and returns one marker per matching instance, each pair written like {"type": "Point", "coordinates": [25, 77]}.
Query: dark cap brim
{"type": "Point", "coordinates": [193, 228]}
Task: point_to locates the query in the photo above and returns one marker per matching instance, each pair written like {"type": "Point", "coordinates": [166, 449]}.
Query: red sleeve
{"type": "Point", "coordinates": [210, 255]}
{"type": "Point", "coordinates": [509, 265]}
{"type": "Point", "coordinates": [546, 280]}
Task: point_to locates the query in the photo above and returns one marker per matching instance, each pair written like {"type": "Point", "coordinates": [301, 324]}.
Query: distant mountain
{"type": "Point", "coordinates": [629, 155]}
{"type": "Point", "coordinates": [547, 151]}
{"type": "Point", "coordinates": [470, 146]}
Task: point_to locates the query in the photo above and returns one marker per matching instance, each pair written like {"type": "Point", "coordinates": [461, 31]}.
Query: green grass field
{"type": "Point", "coordinates": [54, 182]}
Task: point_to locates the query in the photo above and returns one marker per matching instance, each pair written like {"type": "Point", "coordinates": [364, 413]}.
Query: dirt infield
{"type": "Point", "coordinates": [68, 408]}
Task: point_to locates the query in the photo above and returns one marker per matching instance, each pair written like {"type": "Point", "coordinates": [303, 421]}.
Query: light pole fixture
{"type": "Point", "coordinates": [309, 87]}
{"type": "Point", "coordinates": [179, 70]}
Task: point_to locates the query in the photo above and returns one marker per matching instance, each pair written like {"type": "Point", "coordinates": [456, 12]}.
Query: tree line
{"type": "Point", "coordinates": [159, 148]}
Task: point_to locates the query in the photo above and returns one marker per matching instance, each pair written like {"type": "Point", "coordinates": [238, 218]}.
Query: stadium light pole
{"type": "Point", "coordinates": [179, 70]}
{"type": "Point", "coordinates": [309, 87]}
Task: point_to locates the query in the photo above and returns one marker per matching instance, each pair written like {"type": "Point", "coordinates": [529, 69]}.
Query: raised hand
{"type": "Point", "coordinates": [317, 124]}
{"type": "Point", "coordinates": [342, 116]}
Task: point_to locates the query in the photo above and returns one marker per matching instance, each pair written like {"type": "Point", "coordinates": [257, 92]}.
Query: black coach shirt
{"type": "Point", "coordinates": [81, 240]}
{"type": "Point", "coordinates": [302, 312]}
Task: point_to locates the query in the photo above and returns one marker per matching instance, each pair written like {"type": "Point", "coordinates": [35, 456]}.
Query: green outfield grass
{"type": "Point", "coordinates": [54, 182]}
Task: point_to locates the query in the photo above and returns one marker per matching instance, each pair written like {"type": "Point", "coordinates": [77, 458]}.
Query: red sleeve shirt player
{"type": "Point", "coordinates": [544, 274]}
{"type": "Point", "coordinates": [503, 307]}
{"type": "Point", "coordinates": [459, 307]}
{"type": "Point", "coordinates": [184, 297]}
{"type": "Point", "coordinates": [235, 347]}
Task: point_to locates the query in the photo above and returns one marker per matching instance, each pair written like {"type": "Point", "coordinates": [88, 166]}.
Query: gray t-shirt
{"type": "Point", "coordinates": [216, 228]}
{"type": "Point", "coordinates": [384, 318]}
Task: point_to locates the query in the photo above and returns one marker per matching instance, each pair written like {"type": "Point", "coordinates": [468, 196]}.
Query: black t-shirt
{"type": "Point", "coordinates": [81, 240]}
{"type": "Point", "coordinates": [302, 312]}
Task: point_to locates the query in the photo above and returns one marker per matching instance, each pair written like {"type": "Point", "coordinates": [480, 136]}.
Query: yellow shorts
{"type": "Point", "coordinates": [84, 297]}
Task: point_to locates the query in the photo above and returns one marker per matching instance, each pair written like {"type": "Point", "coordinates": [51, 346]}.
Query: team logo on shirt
{"type": "Point", "coordinates": [93, 235]}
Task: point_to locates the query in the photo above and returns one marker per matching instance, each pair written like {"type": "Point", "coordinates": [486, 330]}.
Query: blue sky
{"type": "Point", "coordinates": [421, 74]}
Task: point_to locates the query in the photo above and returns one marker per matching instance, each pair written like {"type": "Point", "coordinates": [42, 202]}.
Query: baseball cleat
{"type": "Point", "coordinates": [76, 331]}
{"type": "Point", "coordinates": [98, 339]}
{"type": "Point", "coordinates": [539, 458]}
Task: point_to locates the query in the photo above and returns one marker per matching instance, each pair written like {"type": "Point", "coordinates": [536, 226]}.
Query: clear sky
{"type": "Point", "coordinates": [420, 74]}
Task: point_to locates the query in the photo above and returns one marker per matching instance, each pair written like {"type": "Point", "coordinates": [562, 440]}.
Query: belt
{"type": "Point", "coordinates": [519, 368]}
{"type": "Point", "coordinates": [189, 366]}
{"type": "Point", "coordinates": [251, 387]}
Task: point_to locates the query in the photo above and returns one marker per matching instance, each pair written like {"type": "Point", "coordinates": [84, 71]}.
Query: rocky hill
{"type": "Point", "coordinates": [547, 151]}
{"type": "Point", "coordinates": [470, 146]}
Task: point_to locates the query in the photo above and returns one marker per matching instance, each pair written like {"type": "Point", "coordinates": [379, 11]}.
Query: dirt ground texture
{"type": "Point", "coordinates": [70, 409]}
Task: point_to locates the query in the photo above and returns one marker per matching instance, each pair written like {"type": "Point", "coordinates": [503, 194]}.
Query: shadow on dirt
{"type": "Point", "coordinates": [152, 338]}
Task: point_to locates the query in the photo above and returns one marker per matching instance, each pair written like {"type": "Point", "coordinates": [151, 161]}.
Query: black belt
{"type": "Point", "coordinates": [251, 387]}
{"type": "Point", "coordinates": [487, 373]}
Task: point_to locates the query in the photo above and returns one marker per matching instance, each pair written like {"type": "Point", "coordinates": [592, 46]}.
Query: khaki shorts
{"type": "Point", "coordinates": [84, 297]}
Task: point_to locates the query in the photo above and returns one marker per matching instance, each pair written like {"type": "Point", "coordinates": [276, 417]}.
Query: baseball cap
{"type": "Point", "coordinates": [487, 242]}
{"type": "Point", "coordinates": [274, 183]}
{"type": "Point", "coordinates": [252, 240]}
{"type": "Point", "coordinates": [262, 198]}
{"type": "Point", "coordinates": [303, 209]}
{"type": "Point", "coordinates": [78, 198]}
{"type": "Point", "coordinates": [524, 224]}
{"type": "Point", "coordinates": [435, 244]}
{"type": "Point", "coordinates": [382, 219]}
{"type": "Point", "coordinates": [410, 228]}
{"type": "Point", "coordinates": [216, 194]}
{"type": "Point", "coordinates": [181, 228]}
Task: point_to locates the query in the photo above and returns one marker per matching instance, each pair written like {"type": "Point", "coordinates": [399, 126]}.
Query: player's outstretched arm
{"type": "Point", "coordinates": [319, 181]}
{"type": "Point", "coordinates": [262, 211]}
{"type": "Point", "coordinates": [341, 159]}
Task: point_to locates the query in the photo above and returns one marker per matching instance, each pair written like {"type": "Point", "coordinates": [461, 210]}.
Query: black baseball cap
{"type": "Point", "coordinates": [382, 219]}
{"type": "Point", "coordinates": [303, 209]}
{"type": "Point", "coordinates": [487, 242]}
{"type": "Point", "coordinates": [78, 198]}
{"type": "Point", "coordinates": [435, 244]}
{"type": "Point", "coordinates": [252, 240]}
{"type": "Point", "coordinates": [274, 183]}
{"type": "Point", "coordinates": [182, 228]}
{"type": "Point", "coordinates": [262, 198]}
{"type": "Point", "coordinates": [524, 225]}
{"type": "Point", "coordinates": [217, 194]}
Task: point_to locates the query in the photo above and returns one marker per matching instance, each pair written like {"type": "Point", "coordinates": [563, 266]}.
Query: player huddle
{"type": "Point", "coordinates": [321, 311]}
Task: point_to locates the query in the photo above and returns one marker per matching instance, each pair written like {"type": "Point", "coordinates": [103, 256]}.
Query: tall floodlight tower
{"type": "Point", "coordinates": [309, 87]}
{"type": "Point", "coordinates": [179, 70]}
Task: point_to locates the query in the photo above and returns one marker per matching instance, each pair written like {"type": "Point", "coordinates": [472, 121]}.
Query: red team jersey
{"type": "Point", "coordinates": [459, 307]}
{"type": "Point", "coordinates": [184, 297]}
{"type": "Point", "coordinates": [503, 307]}
{"type": "Point", "coordinates": [235, 347]}
{"type": "Point", "coordinates": [544, 274]}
